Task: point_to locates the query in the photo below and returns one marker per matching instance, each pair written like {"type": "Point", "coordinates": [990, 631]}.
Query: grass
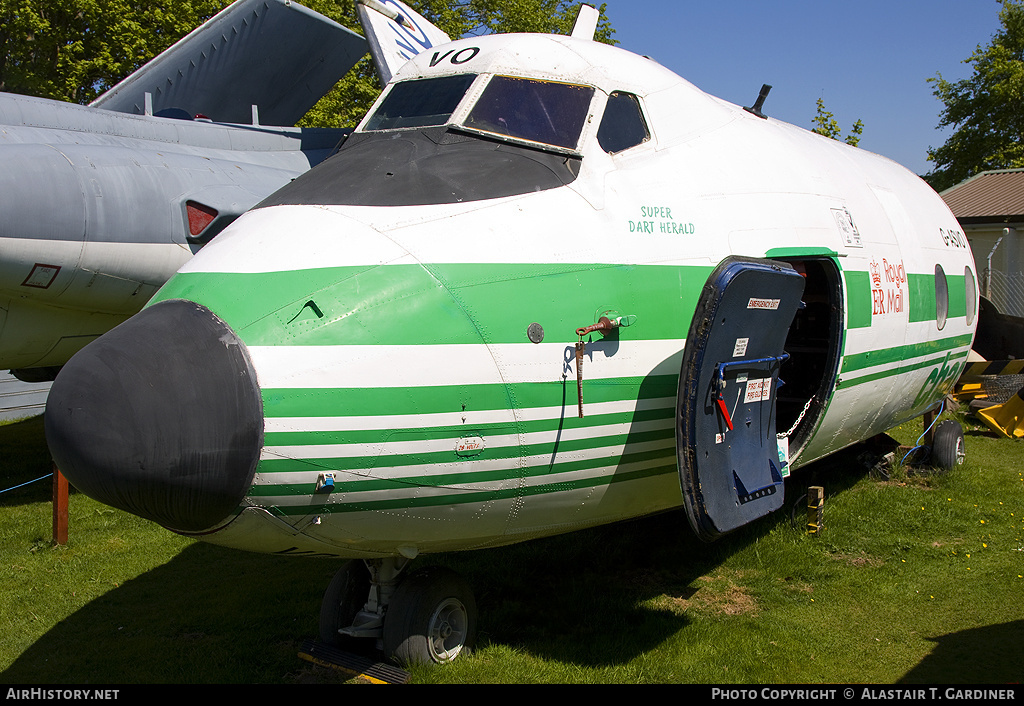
{"type": "Point", "coordinates": [915, 579]}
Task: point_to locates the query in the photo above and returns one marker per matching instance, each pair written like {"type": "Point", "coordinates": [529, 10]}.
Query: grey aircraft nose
{"type": "Point", "coordinates": [161, 417]}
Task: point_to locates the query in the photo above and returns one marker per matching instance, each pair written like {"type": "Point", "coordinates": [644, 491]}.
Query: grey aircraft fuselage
{"type": "Point", "coordinates": [103, 203]}
{"type": "Point", "coordinates": [101, 208]}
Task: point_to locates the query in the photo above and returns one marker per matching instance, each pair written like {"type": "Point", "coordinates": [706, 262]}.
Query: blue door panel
{"type": "Point", "coordinates": [726, 433]}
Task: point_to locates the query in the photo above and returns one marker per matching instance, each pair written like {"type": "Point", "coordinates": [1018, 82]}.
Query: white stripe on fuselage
{"type": "Point", "coordinates": [323, 367]}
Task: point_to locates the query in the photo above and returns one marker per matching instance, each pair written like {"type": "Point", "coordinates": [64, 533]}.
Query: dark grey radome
{"type": "Point", "coordinates": [161, 417]}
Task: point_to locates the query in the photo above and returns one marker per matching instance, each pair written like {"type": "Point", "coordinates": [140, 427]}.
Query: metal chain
{"type": "Point", "coordinates": [798, 420]}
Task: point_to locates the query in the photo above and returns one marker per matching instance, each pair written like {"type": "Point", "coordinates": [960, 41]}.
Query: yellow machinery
{"type": "Point", "coordinates": [976, 386]}
{"type": "Point", "coordinates": [1006, 418]}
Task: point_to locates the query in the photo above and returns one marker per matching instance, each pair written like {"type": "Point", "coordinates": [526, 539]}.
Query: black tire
{"type": "Point", "coordinates": [344, 598]}
{"type": "Point", "coordinates": [948, 449]}
{"type": "Point", "coordinates": [431, 618]}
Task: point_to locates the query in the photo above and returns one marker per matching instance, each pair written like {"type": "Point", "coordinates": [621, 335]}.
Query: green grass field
{"type": "Point", "coordinates": [914, 579]}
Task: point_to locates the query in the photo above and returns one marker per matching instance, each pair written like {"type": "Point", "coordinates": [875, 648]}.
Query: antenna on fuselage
{"type": "Point", "coordinates": [759, 103]}
{"type": "Point", "coordinates": [586, 22]}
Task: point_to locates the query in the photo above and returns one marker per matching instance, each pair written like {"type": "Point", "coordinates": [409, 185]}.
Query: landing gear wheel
{"type": "Point", "coordinates": [344, 598]}
{"type": "Point", "coordinates": [948, 446]}
{"type": "Point", "coordinates": [431, 618]}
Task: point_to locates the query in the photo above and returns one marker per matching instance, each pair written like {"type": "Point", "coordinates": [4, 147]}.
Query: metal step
{"type": "Point", "coordinates": [357, 665]}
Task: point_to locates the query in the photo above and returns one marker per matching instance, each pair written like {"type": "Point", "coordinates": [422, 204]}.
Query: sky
{"type": "Point", "coordinates": [868, 60]}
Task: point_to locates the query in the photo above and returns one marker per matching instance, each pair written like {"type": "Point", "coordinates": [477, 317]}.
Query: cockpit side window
{"type": "Point", "coordinates": [420, 103]}
{"type": "Point", "coordinates": [547, 112]}
{"type": "Point", "coordinates": [623, 125]}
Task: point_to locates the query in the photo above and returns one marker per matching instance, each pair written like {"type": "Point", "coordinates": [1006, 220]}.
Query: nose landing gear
{"type": "Point", "coordinates": [426, 617]}
{"type": "Point", "coordinates": [431, 618]}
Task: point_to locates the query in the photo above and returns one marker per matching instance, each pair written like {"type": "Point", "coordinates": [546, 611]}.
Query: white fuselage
{"type": "Point", "coordinates": [408, 410]}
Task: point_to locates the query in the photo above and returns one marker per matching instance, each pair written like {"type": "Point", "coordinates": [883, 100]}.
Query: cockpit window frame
{"type": "Point", "coordinates": [479, 90]}
{"type": "Point", "coordinates": [469, 95]}
{"type": "Point", "coordinates": [645, 123]}
{"type": "Point", "coordinates": [476, 89]}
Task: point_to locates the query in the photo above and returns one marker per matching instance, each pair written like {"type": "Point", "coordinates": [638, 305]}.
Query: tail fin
{"type": "Point", "coordinates": [395, 33]}
{"type": "Point", "coordinates": [243, 57]}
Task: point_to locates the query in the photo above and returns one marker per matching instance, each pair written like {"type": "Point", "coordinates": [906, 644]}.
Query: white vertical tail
{"type": "Point", "coordinates": [395, 33]}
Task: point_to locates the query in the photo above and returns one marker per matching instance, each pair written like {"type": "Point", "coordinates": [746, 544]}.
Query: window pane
{"type": "Point", "coordinates": [623, 124]}
{"type": "Point", "coordinates": [941, 297]}
{"type": "Point", "coordinates": [539, 111]}
{"type": "Point", "coordinates": [420, 103]}
{"type": "Point", "coordinates": [971, 293]}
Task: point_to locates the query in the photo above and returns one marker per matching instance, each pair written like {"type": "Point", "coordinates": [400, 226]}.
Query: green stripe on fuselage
{"type": "Point", "coordinates": [331, 402]}
{"type": "Point", "coordinates": [862, 361]}
{"type": "Point", "coordinates": [923, 297]}
{"type": "Point", "coordinates": [899, 370]}
{"type": "Point", "coordinates": [457, 477]}
{"type": "Point", "coordinates": [442, 303]}
{"type": "Point", "coordinates": [462, 471]}
{"type": "Point", "coordinates": [858, 299]}
{"type": "Point", "coordinates": [568, 421]}
{"type": "Point", "coordinates": [920, 298]}
{"type": "Point", "coordinates": [468, 495]}
{"type": "Point", "coordinates": [397, 403]}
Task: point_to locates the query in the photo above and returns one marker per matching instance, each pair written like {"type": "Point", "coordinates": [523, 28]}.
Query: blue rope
{"type": "Point", "coordinates": [48, 475]}
{"type": "Point", "coordinates": [925, 432]}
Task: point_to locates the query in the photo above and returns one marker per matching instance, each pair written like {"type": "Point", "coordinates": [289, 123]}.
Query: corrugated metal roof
{"type": "Point", "coordinates": [997, 195]}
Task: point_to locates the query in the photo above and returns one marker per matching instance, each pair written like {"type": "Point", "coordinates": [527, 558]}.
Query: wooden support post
{"type": "Point", "coordinates": [815, 509]}
{"type": "Point", "coordinates": [60, 507]}
{"type": "Point", "coordinates": [928, 418]}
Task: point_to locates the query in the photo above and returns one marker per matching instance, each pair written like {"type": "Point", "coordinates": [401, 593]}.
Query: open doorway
{"type": "Point", "coordinates": [814, 343]}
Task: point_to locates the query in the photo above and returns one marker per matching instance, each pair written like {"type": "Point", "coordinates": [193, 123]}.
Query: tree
{"type": "Point", "coordinates": [827, 126]}
{"type": "Point", "coordinates": [986, 109]}
{"type": "Point", "coordinates": [74, 50]}
{"type": "Point", "coordinates": [459, 18]}
{"type": "Point", "coordinates": [352, 97]}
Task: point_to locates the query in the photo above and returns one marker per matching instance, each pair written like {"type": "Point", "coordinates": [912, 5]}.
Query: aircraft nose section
{"type": "Point", "coordinates": [161, 417]}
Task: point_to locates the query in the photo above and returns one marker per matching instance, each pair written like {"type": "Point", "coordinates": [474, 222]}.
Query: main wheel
{"type": "Point", "coordinates": [948, 450]}
{"type": "Point", "coordinates": [344, 598]}
{"type": "Point", "coordinates": [431, 618]}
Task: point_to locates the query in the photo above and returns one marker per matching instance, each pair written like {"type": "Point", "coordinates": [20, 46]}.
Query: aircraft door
{"type": "Point", "coordinates": [729, 465]}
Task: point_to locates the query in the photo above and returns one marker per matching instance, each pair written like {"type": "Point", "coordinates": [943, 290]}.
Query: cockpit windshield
{"type": "Point", "coordinates": [421, 103]}
{"type": "Point", "coordinates": [527, 109]}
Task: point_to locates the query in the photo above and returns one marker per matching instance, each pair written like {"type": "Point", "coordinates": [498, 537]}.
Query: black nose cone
{"type": "Point", "coordinates": [161, 417]}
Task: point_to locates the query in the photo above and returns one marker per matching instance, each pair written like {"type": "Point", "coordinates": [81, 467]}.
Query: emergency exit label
{"type": "Point", "coordinates": [758, 303]}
